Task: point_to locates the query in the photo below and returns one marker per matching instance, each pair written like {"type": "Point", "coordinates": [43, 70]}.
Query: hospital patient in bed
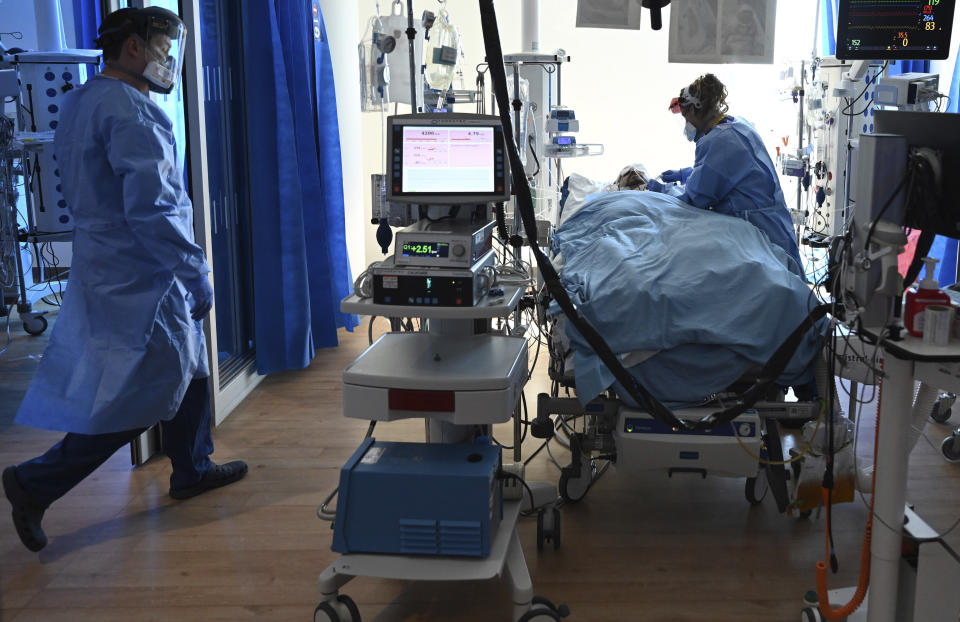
{"type": "Point", "coordinates": [689, 298]}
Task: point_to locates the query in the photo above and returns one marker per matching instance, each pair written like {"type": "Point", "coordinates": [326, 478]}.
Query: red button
{"type": "Point", "coordinates": [396, 188]}
{"type": "Point", "coordinates": [458, 301]}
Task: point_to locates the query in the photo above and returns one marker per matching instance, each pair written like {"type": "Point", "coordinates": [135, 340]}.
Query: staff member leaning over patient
{"type": "Point", "coordinates": [732, 171]}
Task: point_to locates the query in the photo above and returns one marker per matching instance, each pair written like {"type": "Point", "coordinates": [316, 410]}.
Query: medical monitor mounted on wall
{"type": "Point", "coordinates": [886, 30]}
{"type": "Point", "coordinates": [446, 159]}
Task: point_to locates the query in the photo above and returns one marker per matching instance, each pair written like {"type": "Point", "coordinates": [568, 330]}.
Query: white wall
{"type": "Point", "coordinates": [620, 84]}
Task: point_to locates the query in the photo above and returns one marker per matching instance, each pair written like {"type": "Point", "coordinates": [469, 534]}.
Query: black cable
{"type": "Point", "coordinates": [532, 144]}
{"type": "Point", "coordinates": [857, 98]}
{"type": "Point", "coordinates": [508, 475]}
{"type": "Point", "coordinates": [921, 207]}
{"type": "Point", "coordinates": [500, 211]}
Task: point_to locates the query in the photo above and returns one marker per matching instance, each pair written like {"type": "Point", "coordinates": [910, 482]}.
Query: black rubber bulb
{"type": "Point", "coordinates": [656, 17]}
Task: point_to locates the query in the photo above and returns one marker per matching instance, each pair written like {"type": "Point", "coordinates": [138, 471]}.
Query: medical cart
{"type": "Point", "coordinates": [480, 377]}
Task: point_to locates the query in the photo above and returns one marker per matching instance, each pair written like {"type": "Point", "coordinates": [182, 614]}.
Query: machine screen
{"type": "Point", "coordinates": [883, 29]}
{"type": "Point", "coordinates": [426, 249]}
{"type": "Point", "coordinates": [446, 160]}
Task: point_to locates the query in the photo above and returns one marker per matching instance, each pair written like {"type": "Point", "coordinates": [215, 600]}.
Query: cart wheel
{"type": "Point", "coordinates": [811, 614]}
{"type": "Point", "coordinates": [951, 448]}
{"type": "Point", "coordinates": [757, 487]}
{"type": "Point", "coordinates": [34, 324]}
{"type": "Point", "coordinates": [548, 527]}
{"type": "Point", "coordinates": [540, 614]}
{"type": "Point", "coordinates": [351, 608]}
{"type": "Point", "coordinates": [940, 415]}
{"type": "Point", "coordinates": [325, 613]}
{"type": "Point", "coordinates": [804, 515]}
{"type": "Point", "coordinates": [542, 601]}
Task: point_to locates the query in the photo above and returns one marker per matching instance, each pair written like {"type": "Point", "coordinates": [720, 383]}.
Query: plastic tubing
{"type": "Point", "coordinates": [863, 582]}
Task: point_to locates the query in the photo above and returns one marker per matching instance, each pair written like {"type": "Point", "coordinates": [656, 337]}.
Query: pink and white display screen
{"type": "Point", "coordinates": [447, 160]}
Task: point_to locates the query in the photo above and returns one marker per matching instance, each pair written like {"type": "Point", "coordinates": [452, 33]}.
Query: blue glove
{"type": "Point", "coordinates": [202, 294]}
{"type": "Point", "coordinates": [671, 176]}
{"type": "Point", "coordinates": [655, 186]}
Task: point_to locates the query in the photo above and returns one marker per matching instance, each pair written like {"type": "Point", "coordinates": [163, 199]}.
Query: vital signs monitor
{"type": "Point", "coordinates": [446, 159]}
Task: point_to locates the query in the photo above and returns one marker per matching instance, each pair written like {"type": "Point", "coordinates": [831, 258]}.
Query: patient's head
{"type": "Point", "coordinates": [632, 177]}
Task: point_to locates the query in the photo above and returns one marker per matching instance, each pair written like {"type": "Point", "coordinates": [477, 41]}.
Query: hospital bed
{"type": "Point", "coordinates": [606, 427]}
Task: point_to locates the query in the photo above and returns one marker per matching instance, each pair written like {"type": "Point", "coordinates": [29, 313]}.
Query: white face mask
{"type": "Point", "coordinates": [159, 76]}
{"type": "Point", "coordinates": [690, 132]}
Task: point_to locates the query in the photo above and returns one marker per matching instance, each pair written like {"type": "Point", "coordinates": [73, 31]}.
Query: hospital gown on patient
{"type": "Point", "coordinates": [708, 292]}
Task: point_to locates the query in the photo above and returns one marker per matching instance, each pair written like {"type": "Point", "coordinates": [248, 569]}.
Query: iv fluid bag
{"type": "Point", "coordinates": [442, 50]}
{"type": "Point", "coordinates": [374, 70]}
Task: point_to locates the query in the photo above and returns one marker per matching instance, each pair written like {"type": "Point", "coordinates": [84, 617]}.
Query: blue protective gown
{"type": "Point", "coordinates": [733, 174]}
{"type": "Point", "coordinates": [124, 348]}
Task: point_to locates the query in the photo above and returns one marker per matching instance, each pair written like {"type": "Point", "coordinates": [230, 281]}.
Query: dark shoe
{"type": "Point", "coordinates": [216, 476]}
{"type": "Point", "coordinates": [27, 513]}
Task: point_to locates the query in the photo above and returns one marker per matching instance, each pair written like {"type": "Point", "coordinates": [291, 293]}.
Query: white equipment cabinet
{"type": "Point", "coordinates": [832, 129]}
{"type": "Point", "coordinates": [486, 374]}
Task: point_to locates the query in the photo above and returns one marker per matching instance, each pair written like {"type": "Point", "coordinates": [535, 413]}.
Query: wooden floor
{"type": "Point", "coordinates": [644, 548]}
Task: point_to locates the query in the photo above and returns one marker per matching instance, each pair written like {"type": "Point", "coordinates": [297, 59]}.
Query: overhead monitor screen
{"type": "Point", "coordinates": [437, 159]}
{"type": "Point", "coordinates": [446, 159]}
{"type": "Point", "coordinates": [894, 30]}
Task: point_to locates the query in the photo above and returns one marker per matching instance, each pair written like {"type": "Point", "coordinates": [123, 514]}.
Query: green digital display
{"type": "Point", "coordinates": [425, 249]}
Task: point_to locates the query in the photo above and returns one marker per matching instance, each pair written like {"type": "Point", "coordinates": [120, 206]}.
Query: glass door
{"type": "Point", "coordinates": [228, 170]}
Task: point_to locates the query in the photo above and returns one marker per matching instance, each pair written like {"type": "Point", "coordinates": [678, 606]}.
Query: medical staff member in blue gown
{"type": "Point", "coordinates": [732, 171]}
{"type": "Point", "coordinates": [127, 350]}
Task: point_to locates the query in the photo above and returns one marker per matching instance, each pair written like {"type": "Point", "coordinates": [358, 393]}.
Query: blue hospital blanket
{"type": "Point", "coordinates": [708, 292]}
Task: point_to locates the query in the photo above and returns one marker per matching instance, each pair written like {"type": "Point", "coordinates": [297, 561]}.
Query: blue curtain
{"type": "Point", "coordinates": [828, 27]}
{"type": "Point", "coordinates": [908, 66]}
{"type": "Point", "coordinates": [299, 248]}
{"type": "Point", "coordinates": [952, 105]}
{"type": "Point", "coordinates": [86, 20]}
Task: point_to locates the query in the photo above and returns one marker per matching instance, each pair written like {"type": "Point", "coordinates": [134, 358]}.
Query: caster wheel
{"type": "Point", "coordinates": [347, 603]}
{"type": "Point", "coordinates": [34, 324]}
{"type": "Point", "coordinates": [939, 413]}
{"type": "Point", "coordinates": [950, 447]}
{"type": "Point", "coordinates": [542, 601]}
{"type": "Point", "coordinates": [543, 610]}
{"type": "Point", "coordinates": [548, 528]}
{"type": "Point", "coordinates": [811, 614]}
{"type": "Point", "coordinates": [757, 487]}
{"type": "Point", "coordinates": [804, 515]}
{"type": "Point", "coordinates": [540, 615]}
{"type": "Point", "coordinates": [343, 610]}
{"type": "Point", "coordinates": [325, 613]}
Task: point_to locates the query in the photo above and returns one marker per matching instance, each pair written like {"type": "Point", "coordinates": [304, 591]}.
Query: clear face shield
{"type": "Point", "coordinates": [686, 102]}
{"type": "Point", "coordinates": [165, 43]}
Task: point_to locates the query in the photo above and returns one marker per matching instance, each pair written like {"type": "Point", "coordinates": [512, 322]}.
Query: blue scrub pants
{"type": "Point", "coordinates": [186, 438]}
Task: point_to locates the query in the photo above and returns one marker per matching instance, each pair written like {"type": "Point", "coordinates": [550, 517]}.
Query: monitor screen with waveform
{"type": "Point", "coordinates": [894, 29]}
